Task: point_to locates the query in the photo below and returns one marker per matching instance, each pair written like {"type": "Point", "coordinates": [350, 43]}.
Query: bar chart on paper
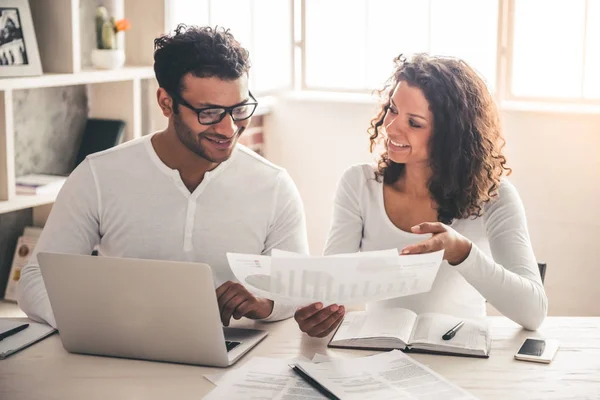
{"type": "Point", "coordinates": [344, 280]}
{"type": "Point", "coordinates": [350, 286]}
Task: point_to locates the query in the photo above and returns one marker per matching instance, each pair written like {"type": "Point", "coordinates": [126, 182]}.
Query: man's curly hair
{"type": "Point", "coordinates": [465, 148]}
{"type": "Point", "coordinates": [203, 51]}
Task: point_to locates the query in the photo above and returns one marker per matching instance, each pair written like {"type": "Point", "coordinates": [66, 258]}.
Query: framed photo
{"type": "Point", "coordinates": [19, 55]}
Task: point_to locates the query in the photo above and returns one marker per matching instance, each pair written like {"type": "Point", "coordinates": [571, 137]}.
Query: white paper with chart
{"type": "Point", "coordinates": [345, 279]}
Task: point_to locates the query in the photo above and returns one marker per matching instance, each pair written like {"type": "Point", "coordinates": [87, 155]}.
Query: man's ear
{"type": "Point", "coordinates": [165, 102]}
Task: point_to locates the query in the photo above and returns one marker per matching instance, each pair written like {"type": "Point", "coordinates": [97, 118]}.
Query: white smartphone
{"type": "Point", "coordinates": [537, 350]}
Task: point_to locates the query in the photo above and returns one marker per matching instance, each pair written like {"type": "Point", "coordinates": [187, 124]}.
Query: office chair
{"type": "Point", "coordinates": [542, 267]}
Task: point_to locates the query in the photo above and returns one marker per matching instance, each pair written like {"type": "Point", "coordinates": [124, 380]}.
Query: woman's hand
{"type": "Point", "coordinates": [456, 247]}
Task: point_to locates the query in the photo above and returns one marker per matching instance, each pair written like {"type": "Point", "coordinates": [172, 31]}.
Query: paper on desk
{"type": "Point", "coordinates": [391, 375]}
{"type": "Point", "coordinates": [215, 379]}
{"type": "Point", "coordinates": [263, 378]}
{"type": "Point", "coordinates": [346, 279]}
{"type": "Point", "coordinates": [319, 358]}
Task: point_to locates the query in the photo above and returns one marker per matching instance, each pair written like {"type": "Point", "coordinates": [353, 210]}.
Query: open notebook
{"type": "Point", "coordinates": [398, 328]}
{"type": "Point", "coordinates": [25, 338]}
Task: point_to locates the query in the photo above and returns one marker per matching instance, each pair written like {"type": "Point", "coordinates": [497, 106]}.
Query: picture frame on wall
{"type": "Point", "coordinates": [19, 54]}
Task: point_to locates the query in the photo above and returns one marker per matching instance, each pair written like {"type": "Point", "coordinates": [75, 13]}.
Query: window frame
{"type": "Point", "coordinates": [169, 23]}
{"type": "Point", "coordinates": [300, 45]}
{"type": "Point", "coordinates": [505, 57]}
{"type": "Point", "coordinates": [504, 64]}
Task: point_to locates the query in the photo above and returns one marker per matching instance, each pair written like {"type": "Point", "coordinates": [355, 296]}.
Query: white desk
{"type": "Point", "coordinates": [47, 371]}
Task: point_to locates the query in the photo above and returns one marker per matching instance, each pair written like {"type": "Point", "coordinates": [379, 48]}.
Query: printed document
{"type": "Point", "coordinates": [345, 279]}
{"type": "Point", "coordinates": [391, 375]}
{"type": "Point", "coordinates": [264, 378]}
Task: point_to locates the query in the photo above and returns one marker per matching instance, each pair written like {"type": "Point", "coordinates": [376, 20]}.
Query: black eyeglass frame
{"type": "Point", "coordinates": [226, 110]}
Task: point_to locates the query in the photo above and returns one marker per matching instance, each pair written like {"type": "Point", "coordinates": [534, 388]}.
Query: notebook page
{"type": "Point", "coordinates": [430, 328]}
{"type": "Point", "coordinates": [391, 322]}
{"type": "Point", "coordinates": [8, 324]}
{"type": "Point", "coordinates": [26, 337]}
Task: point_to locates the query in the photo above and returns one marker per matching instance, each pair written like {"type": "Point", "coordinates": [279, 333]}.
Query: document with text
{"type": "Point", "coordinates": [346, 279]}
{"type": "Point", "coordinates": [263, 378]}
{"type": "Point", "coordinates": [391, 375]}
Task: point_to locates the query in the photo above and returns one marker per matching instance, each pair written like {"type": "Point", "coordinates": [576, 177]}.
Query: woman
{"type": "Point", "coordinates": [439, 185]}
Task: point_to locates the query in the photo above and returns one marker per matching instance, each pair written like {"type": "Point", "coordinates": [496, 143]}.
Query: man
{"type": "Point", "coordinates": [188, 193]}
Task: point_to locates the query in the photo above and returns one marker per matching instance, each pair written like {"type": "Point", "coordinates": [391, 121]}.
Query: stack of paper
{"type": "Point", "coordinates": [391, 375]}
{"type": "Point", "coordinates": [345, 279]}
{"type": "Point", "coordinates": [39, 184]}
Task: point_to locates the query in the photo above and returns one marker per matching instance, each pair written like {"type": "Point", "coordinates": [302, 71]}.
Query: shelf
{"type": "Point", "coordinates": [65, 38]}
{"type": "Point", "coordinates": [21, 202]}
{"type": "Point", "coordinates": [80, 78]}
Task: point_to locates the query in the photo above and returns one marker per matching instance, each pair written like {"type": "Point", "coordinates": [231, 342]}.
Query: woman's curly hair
{"type": "Point", "coordinates": [465, 148]}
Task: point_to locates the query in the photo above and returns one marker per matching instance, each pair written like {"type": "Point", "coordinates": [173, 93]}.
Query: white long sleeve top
{"type": "Point", "coordinates": [501, 266]}
{"type": "Point", "coordinates": [129, 203]}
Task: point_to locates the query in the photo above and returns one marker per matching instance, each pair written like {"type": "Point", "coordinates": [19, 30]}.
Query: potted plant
{"type": "Point", "coordinates": [108, 55]}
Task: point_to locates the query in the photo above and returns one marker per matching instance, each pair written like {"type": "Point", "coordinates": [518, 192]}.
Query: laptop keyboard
{"type": "Point", "coordinates": [230, 345]}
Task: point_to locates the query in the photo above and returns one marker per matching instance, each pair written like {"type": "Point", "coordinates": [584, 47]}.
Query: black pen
{"type": "Point", "coordinates": [450, 334]}
{"type": "Point", "coordinates": [313, 382]}
{"type": "Point", "coordinates": [12, 331]}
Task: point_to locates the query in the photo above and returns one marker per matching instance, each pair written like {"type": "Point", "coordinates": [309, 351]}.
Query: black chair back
{"type": "Point", "coordinates": [542, 267]}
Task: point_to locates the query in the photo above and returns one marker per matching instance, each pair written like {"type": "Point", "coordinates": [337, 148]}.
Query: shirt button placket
{"type": "Point", "coordinates": [189, 225]}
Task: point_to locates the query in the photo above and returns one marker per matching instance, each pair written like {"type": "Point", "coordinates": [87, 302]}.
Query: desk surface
{"type": "Point", "coordinates": [47, 371]}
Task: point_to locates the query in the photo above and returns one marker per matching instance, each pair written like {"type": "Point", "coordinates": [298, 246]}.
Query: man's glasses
{"type": "Point", "coordinates": [214, 115]}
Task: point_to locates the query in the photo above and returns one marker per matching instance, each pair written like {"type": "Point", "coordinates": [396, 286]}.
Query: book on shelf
{"type": "Point", "coordinates": [35, 184]}
{"type": "Point", "coordinates": [402, 329]}
{"type": "Point", "coordinates": [99, 135]}
{"type": "Point", "coordinates": [25, 245]}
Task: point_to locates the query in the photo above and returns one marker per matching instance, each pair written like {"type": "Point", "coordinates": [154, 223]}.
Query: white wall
{"type": "Point", "coordinates": [316, 141]}
{"type": "Point", "coordinates": [556, 162]}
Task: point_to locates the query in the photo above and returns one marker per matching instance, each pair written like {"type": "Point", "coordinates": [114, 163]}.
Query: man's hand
{"type": "Point", "coordinates": [456, 247]}
{"type": "Point", "coordinates": [237, 302]}
{"type": "Point", "coordinates": [317, 321]}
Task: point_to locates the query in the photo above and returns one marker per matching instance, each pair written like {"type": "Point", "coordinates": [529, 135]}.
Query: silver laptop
{"type": "Point", "coordinates": [143, 309]}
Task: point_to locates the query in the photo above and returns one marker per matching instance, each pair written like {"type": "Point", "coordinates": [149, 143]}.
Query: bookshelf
{"type": "Point", "coordinates": [63, 30]}
{"type": "Point", "coordinates": [19, 202]}
{"type": "Point", "coordinates": [65, 34]}
{"type": "Point", "coordinates": [85, 77]}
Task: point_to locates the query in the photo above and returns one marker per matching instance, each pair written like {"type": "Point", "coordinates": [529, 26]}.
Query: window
{"type": "Point", "coordinates": [262, 26]}
{"type": "Point", "coordinates": [555, 52]}
{"type": "Point", "coordinates": [547, 51]}
{"type": "Point", "coordinates": [350, 45]}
